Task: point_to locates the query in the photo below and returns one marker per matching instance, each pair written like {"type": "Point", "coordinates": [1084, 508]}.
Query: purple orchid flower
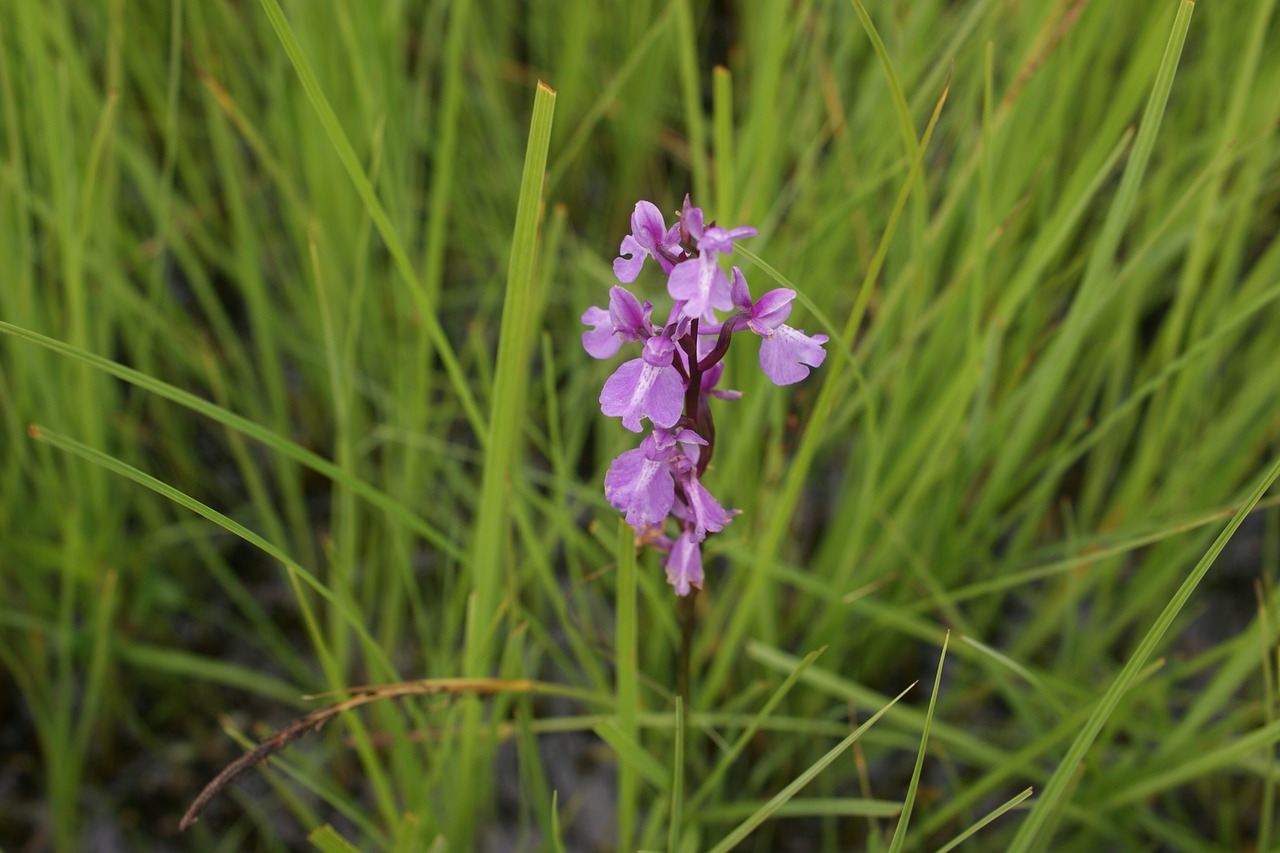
{"type": "Point", "coordinates": [626, 320]}
{"type": "Point", "coordinates": [639, 481]}
{"type": "Point", "coordinates": [784, 351]}
{"type": "Point", "coordinates": [649, 237]}
{"type": "Point", "coordinates": [632, 321]}
{"type": "Point", "coordinates": [646, 387]}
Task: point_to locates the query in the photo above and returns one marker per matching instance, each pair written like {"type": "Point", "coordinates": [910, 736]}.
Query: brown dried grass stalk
{"type": "Point", "coordinates": [363, 696]}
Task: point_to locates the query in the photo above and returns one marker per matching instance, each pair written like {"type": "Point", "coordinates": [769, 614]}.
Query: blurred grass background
{"type": "Point", "coordinates": [292, 267]}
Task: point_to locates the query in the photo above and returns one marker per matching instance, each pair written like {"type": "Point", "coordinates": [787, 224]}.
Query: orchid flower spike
{"type": "Point", "coordinates": [658, 485]}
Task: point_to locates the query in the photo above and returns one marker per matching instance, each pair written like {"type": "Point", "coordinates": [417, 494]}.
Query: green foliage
{"type": "Point", "coordinates": [293, 402]}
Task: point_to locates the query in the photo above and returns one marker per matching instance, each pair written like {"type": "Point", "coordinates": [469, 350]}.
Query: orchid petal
{"type": "Point", "coordinates": [701, 284]}
{"type": "Point", "coordinates": [704, 510]}
{"type": "Point", "coordinates": [647, 226]}
{"type": "Point", "coordinates": [784, 354]}
{"type": "Point", "coordinates": [600, 342]}
{"type": "Point", "coordinates": [739, 294]}
{"type": "Point", "coordinates": [684, 565]}
{"type": "Point", "coordinates": [630, 260]}
{"type": "Point", "coordinates": [630, 319]}
{"type": "Point", "coordinates": [770, 312]}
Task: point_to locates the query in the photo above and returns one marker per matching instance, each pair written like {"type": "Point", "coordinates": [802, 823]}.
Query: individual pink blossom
{"type": "Point", "coordinates": [649, 237]}
{"type": "Point", "coordinates": [646, 387]}
{"type": "Point", "coordinates": [784, 351]}
{"type": "Point", "coordinates": [700, 282]}
{"type": "Point", "coordinates": [639, 482]}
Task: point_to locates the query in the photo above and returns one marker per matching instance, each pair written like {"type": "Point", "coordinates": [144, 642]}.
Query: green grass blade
{"type": "Point", "coordinates": [327, 840]}
{"type": "Point", "coordinates": [515, 346]}
{"type": "Point", "coordinates": [676, 828]}
{"type": "Point", "coordinates": [630, 751]}
{"type": "Point", "coordinates": [691, 94]}
{"type": "Point", "coordinates": [766, 811]}
{"type": "Point", "coordinates": [986, 819]}
{"type": "Point", "coordinates": [627, 678]}
{"type": "Point", "coordinates": [900, 832]}
{"type": "Point", "coordinates": [906, 127]}
{"type": "Point", "coordinates": [807, 807]}
{"type": "Point", "coordinates": [203, 668]}
{"type": "Point", "coordinates": [520, 317]}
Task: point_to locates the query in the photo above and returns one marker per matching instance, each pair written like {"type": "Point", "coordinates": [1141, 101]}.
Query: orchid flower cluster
{"type": "Point", "coordinates": [679, 367]}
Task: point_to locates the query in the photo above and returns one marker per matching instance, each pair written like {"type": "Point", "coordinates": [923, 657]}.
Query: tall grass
{"type": "Point", "coordinates": [294, 402]}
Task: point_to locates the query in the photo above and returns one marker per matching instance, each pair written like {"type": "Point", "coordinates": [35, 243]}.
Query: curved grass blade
{"type": "Point", "coordinates": [786, 794]}
{"type": "Point", "coordinates": [900, 833]}
{"type": "Point", "coordinates": [995, 813]}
